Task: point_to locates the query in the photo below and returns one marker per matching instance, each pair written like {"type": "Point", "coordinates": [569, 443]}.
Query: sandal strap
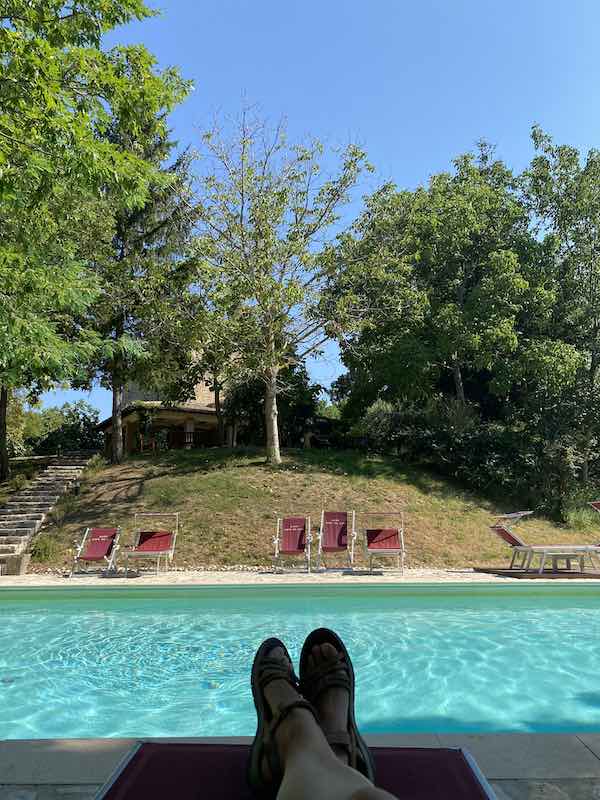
{"type": "Point", "coordinates": [271, 749]}
{"type": "Point", "coordinates": [272, 669]}
{"type": "Point", "coordinates": [284, 710]}
{"type": "Point", "coordinates": [340, 738]}
{"type": "Point", "coordinates": [347, 740]}
{"type": "Point", "coordinates": [326, 676]}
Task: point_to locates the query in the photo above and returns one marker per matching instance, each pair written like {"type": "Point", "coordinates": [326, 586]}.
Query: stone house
{"type": "Point", "coordinates": [149, 423]}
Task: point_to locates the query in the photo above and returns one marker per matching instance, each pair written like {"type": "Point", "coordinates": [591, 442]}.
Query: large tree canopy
{"type": "Point", "coordinates": [59, 93]}
{"type": "Point", "coordinates": [264, 208]}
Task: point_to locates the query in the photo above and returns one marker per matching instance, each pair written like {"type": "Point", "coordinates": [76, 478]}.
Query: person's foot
{"type": "Point", "coordinates": [280, 693]}
{"type": "Point", "coordinates": [332, 704]}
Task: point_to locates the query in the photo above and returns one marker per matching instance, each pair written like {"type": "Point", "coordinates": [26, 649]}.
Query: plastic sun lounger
{"type": "Point", "coordinates": [217, 771]}
{"type": "Point", "coordinates": [557, 552]}
{"type": "Point", "coordinates": [334, 536]}
{"type": "Point", "coordinates": [292, 538]}
{"type": "Point", "coordinates": [154, 543]}
{"type": "Point", "coordinates": [98, 546]}
{"type": "Point", "coordinates": [388, 541]}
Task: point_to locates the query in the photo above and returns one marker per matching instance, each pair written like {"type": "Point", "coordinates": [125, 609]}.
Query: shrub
{"type": "Point", "coordinates": [503, 462]}
{"type": "Point", "coordinates": [44, 548]}
{"type": "Point", "coordinates": [95, 465]}
{"type": "Point", "coordinates": [18, 481]}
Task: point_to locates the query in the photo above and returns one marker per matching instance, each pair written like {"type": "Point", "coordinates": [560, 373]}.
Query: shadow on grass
{"type": "Point", "coordinates": [126, 489]}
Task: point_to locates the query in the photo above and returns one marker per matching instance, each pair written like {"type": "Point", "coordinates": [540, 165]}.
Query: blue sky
{"type": "Point", "coordinates": [415, 83]}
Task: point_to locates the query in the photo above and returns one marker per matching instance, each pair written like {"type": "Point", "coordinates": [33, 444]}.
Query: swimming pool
{"type": "Point", "coordinates": [175, 662]}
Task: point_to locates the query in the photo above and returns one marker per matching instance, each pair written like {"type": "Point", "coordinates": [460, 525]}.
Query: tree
{"type": "Point", "coordinates": [143, 272]}
{"type": "Point", "coordinates": [39, 342]}
{"type": "Point", "coordinates": [430, 283]}
{"type": "Point", "coordinates": [564, 193]}
{"type": "Point", "coordinates": [58, 92]}
{"type": "Point", "coordinates": [263, 210]}
{"type": "Point", "coordinates": [297, 406]}
{"type": "Point", "coordinates": [74, 427]}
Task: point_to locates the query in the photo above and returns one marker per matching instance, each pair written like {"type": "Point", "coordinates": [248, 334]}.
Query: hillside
{"type": "Point", "coordinates": [228, 503]}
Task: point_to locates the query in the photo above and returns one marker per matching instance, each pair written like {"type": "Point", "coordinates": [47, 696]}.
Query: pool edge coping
{"type": "Point", "coordinates": [501, 756]}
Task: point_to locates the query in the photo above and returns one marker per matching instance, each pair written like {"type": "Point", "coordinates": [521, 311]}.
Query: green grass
{"type": "Point", "coordinates": [229, 501]}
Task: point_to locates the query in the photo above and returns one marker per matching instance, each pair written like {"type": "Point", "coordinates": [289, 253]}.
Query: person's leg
{"type": "Point", "coordinates": [311, 770]}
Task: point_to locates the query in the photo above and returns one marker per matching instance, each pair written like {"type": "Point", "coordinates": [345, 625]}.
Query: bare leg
{"type": "Point", "coordinates": [311, 769]}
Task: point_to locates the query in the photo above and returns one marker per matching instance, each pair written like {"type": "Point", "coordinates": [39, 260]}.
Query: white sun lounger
{"type": "Point", "coordinates": [527, 552]}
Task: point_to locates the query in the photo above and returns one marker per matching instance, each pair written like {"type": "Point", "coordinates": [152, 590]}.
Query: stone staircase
{"type": "Point", "coordinates": [27, 509]}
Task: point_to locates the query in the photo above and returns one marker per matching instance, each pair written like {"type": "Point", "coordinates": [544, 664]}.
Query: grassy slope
{"type": "Point", "coordinates": [228, 503]}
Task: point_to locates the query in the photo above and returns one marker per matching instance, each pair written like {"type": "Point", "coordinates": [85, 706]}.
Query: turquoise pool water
{"type": "Point", "coordinates": [175, 662]}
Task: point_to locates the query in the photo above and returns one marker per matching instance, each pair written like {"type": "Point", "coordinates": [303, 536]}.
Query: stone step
{"type": "Point", "coordinates": [25, 524]}
{"type": "Point", "coordinates": [33, 516]}
{"type": "Point", "coordinates": [23, 508]}
{"type": "Point", "coordinates": [35, 498]}
{"type": "Point", "coordinates": [28, 504]}
{"type": "Point", "coordinates": [52, 486]}
{"type": "Point", "coordinates": [36, 489]}
{"type": "Point", "coordinates": [62, 471]}
{"type": "Point", "coordinates": [4, 540]}
{"type": "Point", "coordinates": [43, 493]}
{"type": "Point", "coordinates": [14, 533]}
{"type": "Point", "coordinates": [9, 549]}
{"type": "Point", "coordinates": [16, 536]}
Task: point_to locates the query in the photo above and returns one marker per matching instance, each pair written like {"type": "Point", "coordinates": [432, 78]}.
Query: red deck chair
{"type": "Point", "coordinates": [98, 546]}
{"type": "Point", "coordinates": [388, 541]}
{"type": "Point", "coordinates": [334, 536]}
{"type": "Point", "coordinates": [153, 542]}
{"type": "Point", "coordinates": [217, 771]}
{"type": "Point", "coordinates": [292, 538]}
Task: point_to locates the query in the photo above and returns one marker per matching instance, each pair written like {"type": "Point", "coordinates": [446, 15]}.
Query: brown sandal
{"type": "Point", "coordinates": [336, 673]}
{"type": "Point", "coordinates": [264, 746]}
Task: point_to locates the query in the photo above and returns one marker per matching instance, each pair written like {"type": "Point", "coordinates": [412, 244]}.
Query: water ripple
{"type": "Point", "coordinates": [141, 669]}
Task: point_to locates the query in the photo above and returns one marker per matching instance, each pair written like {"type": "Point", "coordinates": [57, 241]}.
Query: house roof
{"type": "Point", "coordinates": [186, 408]}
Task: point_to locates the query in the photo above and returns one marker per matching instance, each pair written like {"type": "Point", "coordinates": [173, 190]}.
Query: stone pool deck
{"type": "Point", "coordinates": [518, 766]}
{"type": "Point", "coordinates": [257, 577]}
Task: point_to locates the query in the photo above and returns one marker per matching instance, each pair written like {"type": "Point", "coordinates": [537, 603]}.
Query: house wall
{"type": "Point", "coordinates": [203, 396]}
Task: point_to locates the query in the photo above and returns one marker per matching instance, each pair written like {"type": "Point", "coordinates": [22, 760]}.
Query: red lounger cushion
{"type": "Point", "coordinates": [218, 772]}
{"type": "Point", "coordinates": [293, 535]}
{"type": "Point", "coordinates": [335, 531]}
{"type": "Point", "coordinates": [383, 539]}
{"type": "Point", "coordinates": [99, 543]}
{"type": "Point", "coordinates": [508, 536]}
{"type": "Point", "coordinates": [154, 542]}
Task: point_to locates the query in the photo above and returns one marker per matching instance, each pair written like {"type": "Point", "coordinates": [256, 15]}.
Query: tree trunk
{"type": "Point", "coordinates": [271, 424]}
{"type": "Point", "coordinates": [219, 413]}
{"type": "Point", "coordinates": [458, 381]}
{"type": "Point", "coordinates": [116, 455]}
{"type": "Point", "coordinates": [4, 462]}
{"type": "Point", "coordinates": [589, 434]}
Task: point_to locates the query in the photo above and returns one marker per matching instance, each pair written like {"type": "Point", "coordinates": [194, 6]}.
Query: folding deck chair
{"type": "Point", "coordinates": [387, 541]}
{"type": "Point", "coordinates": [334, 536]}
{"type": "Point", "coordinates": [98, 546]}
{"type": "Point", "coordinates": [151, 542]}
{"type": "Point", "coordinates": [292, 538]}
{"type": "Point", "coordinates": [556, 552]}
